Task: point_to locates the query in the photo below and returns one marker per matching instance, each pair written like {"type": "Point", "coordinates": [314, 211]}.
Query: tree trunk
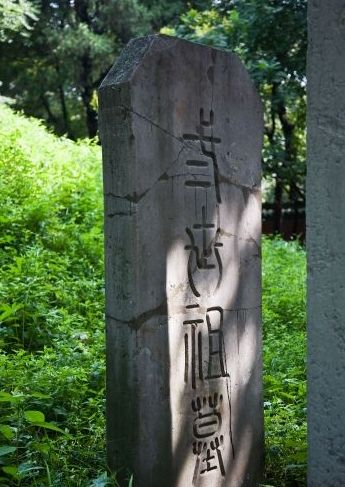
{"type": "Point", "coordinates": [277, 218]}
{"type": "Point", "coordinates": [295, 205]}
{"type": "Point", "coordinates": [86, 95]}
{"type": "Point", "coordinates": [91, 120]}
{"type": "Point", "coordinates": [64, 110]}
{"type": "Point", "coordinates": [289, 157]}
{"type": "Point", "coordinates": [82, 13]}
{"type": "Point", "coordinates": [51, 117]}
{"type": "Point", "coordinates": [288, 129]}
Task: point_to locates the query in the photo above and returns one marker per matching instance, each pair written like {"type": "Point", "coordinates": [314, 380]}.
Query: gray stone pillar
{"type": "Point", "coordinates": [326, 243]}
{"type": "Point", "coordinates": [181, 130]}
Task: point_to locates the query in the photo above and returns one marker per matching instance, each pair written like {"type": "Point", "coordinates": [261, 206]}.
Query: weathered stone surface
{"type": "Point", "coordinates": [325, 243]}
{"type": "Point", "coordinates": [181, 130]}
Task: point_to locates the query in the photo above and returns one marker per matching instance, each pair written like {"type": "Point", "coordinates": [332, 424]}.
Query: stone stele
{"type": "Point", "coordinates": [181, 130]}
{"type": "Point", "coordinates": [325, 243]}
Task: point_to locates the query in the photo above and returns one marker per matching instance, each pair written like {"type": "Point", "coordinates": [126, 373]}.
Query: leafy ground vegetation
{"type": "Point", "coordinates": [284, 276]}
{"type": "Point", "coordinates": [51, 308]}
{"type": "Point", "coordinates": [51, 314]}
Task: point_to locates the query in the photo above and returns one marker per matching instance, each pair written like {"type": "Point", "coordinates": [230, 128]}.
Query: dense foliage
{"type": "Point", "coordinates": [55, 54]}
{"type": "Point", "coordinates": [51, 315]}
{"type": "Point", "coordinates": [54, 70]}
{"type": "Point", "coordinates": [51, 308]}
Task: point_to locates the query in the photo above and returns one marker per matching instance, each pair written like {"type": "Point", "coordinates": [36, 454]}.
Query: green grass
{"type": "Point", "coordinates": [52, 324]}
{"type": "Point", "coordinates": [284, 316]}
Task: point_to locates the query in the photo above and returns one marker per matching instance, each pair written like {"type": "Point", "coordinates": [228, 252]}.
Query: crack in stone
{"type": "Point", "coordinates": [212, 84]}
{"type": "Point", "coordinates": [161, 310]}
{"type": "Point", "coordinates": [251, 308]}
{"type": "Point", "coordinates": [154, 124]}
{"type": "Point", "coordinates": [165, 131]}
{"type": "Point", "coordinates": [119, 213]}
{"type": "Point", "coordinates": [137, 322]}
{"type": "Point", "coordinates": [135, 197]}
{"type": "Point", "coordinates": [227, 179]}
{"type": "Point", "coordinates": [223, 233]}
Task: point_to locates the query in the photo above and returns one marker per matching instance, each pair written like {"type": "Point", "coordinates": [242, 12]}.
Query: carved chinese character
{"type": "Point", "coordinates": [208, 420]}
{"type": "Point", "coordinates": [194, 346]}
{"type": "Point", "coordinates": [206, 256]}
{"type": "Point", "coordinates": [213, 462]}
{"type": "Point", "coordinates": [217, 358]}
{"type": "Point", "coordinates": [193, 351]}
{"type": "Point", "coordinates": [204, 135]}
{"type": "Point", "coordinates": [208, 457]}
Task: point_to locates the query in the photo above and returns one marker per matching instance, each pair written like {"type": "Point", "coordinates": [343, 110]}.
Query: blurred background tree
{"type": "Point", "coordinates": [55, 54]}
{"type": "Point", "coordinates": [53, 71]}
{"type": "Point", "coordinates": [15, 17]}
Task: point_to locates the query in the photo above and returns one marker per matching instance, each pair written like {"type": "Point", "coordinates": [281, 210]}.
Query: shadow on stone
{"type": "Point", "coordinates": [181, 132]}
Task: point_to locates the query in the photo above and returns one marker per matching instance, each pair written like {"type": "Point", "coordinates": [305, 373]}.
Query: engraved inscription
{"type": "Point", "coordinates": [204, 135]}
{"type": "Point", "coordinates": [194, 346]}
{"type": "Point", "coordinates": [204, 349]}
{"type": "Point", "coordinates": [216, 366]}
{"type": "Point", "coordinates": [193, 350]}
{"type": "Point", "coordinates": [207, 425]}
{"type": "Point", "coordinates": [204, 256]}
{"type": "Point", "coordinates": [208, 420]}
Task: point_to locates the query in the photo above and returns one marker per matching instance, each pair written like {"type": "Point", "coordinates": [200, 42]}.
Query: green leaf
{"type": "Point", "coordinates": [287, 396]}
{"type": "Point", "coordinates": [6, 431]}
{"type": "Point", "coordinates": [11, 470]}
{"type": "Point", "coordinates": [5, 450]}
{"type": "Point", "coordinates": [25, 468]}
{"type": "Point", "coordinates": [9, 310]}
{"type": "Point", "coordinates": [50, 426]}
{"type": "Point", "coordinates": [39, 395]}
{"type": "Point", "coordinates": [7, 397]}
{"type": "Point", "coordinates": [41, 447]}
{"type": "Point", "coordinates": [300, 457]}
{"type": "Point", "coordinates": [34, 416]}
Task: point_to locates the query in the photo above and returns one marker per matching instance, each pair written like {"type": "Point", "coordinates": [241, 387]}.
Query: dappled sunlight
{"type": "Point", "coordinates": [189, 302]}
{"type": "Point", "coordinates": [239, 391]}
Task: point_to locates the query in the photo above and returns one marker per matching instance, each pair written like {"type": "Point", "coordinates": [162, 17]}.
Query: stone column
{"type": "Point", "coordinates": [181, 131]}
{"type": "Point", "coordinates": [326, 243]}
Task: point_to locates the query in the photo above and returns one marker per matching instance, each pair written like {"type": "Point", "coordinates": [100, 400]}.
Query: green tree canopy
{"type": "Point", "coordinates": [55, 55]}
{"type": "Point", "coordinates": [16, 16]}
{"type": "Point", "coordinates": [53, 72]}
